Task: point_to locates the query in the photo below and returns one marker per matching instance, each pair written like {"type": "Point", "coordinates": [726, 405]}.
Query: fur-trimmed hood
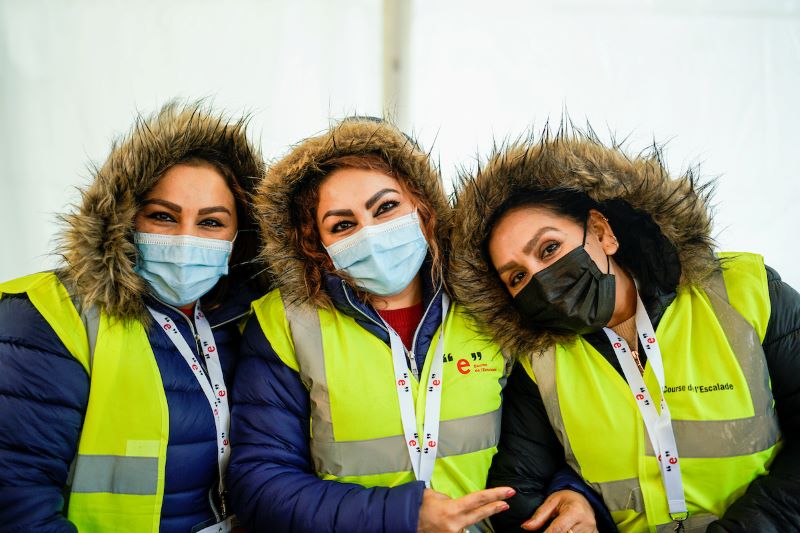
{"type": "Point", "coordinates": [351, 136]}
{"type": "Point", "coordinates": [97, 242]}
{"type": "Point", "coordinates": [667, 219]}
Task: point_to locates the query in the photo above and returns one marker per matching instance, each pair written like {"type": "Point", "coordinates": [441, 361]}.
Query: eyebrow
{"type": "Point", "coordinates": [368, 204]}
{"type": "Point", "coordinates": [377, 196]}
{"type": "Point", "coordinates": [527, 249]}
{"type": "Point", "coordinates": [178, 209]}
{"type": "Point", "coordinates": [338, 213]}
{"type": "Point", "coordinates": [164, 203]}
{"type": "Point", "coordinates": [215, 209]}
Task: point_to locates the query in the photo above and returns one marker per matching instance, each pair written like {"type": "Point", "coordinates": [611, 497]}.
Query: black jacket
{"type": "Point", "coordinates": [529, 450]}
{"type": "Point", "coordinates": [663, 228]}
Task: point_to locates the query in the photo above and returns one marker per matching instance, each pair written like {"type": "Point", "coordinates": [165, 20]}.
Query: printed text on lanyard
{"type": "Point", "coordinates": [213, 386]}
{"type": "Point", "coordinates": [422, 451]}
{"type": "Point", "coordinates": [658, 425]}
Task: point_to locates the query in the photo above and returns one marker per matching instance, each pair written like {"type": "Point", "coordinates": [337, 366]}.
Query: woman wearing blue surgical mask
{"type": "Point", "coordinates": [115, 367]}
{"type": "Point", "coordinates": [365, 400]}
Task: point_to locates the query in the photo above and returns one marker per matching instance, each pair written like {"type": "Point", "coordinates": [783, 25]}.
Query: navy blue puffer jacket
{"type": "Point", "coordinates": [44, 391]}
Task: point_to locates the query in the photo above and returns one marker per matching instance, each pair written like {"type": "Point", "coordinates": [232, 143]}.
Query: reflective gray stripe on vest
{"type": "Point", "coordinates": [116, 474]}
{"type": "Point", "coordinates": [733, 438]}
{"type": "Point", "coordinates": [90, 316]}
{"type": "Point", "coordinates": [389, 454]}
{"type": "Point", "coordinates": [371, 456]}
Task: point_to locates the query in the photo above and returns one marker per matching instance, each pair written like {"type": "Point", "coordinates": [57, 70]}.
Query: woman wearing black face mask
{"type": "Point", "coordinates": [648, 362]}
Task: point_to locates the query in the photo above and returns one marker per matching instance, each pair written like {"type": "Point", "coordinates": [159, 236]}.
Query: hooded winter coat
{"type": "Point", "coordinates": [272, 476]}
{"type": "Point", "coordinates": [44, 390]}
{"type": "Point", "coordinates": [663, 229]}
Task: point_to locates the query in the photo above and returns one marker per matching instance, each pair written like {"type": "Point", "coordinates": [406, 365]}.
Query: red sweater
{"type": "Point", "coordinates": [404, 321]}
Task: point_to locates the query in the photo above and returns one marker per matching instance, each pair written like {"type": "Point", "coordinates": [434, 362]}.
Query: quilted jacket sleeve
{"type": "Point", "coordinates": [271, 477]}
{"type": "Point", "coordinates": [772, 502]}
{"type": "Point", "coordinates": [43, 396]}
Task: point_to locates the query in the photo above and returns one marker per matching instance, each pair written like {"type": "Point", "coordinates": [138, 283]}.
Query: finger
{"type": "Point", "coordinates": [562, 524]}
{"type": "Point", "coordinates": [482, 513]}
{"type": "Point", "coordinates": [474, 500]}
{"type": "Point", "coordinates": [543, 513]}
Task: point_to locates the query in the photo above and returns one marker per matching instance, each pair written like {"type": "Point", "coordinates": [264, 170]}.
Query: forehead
{"type": "Point", "coordinates": [354, 185]}
{"type": "Point", "coordinates": [192, 183]}
{"type": "Point", "coordinates": [514, 229]}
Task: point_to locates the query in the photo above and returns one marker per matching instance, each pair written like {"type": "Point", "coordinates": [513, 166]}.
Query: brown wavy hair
{"type": "Point", "coordinates": [305, 234]}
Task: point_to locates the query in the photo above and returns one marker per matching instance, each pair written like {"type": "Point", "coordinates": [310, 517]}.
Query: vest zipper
{"type": "Point", "coordinates": [199, 353]}
{"type": "Point", "coordinates": [421, 321]}
{"type": "Point", "coordinates": [408, 353]}
{"type": "Point", "coordinates": [365, 315]}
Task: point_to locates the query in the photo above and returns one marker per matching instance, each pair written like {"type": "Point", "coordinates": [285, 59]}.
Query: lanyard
{"type": "Point", "coordinates": [422, 454]}
{"type": "Point", "coordinates": [659, 426]}
{"type": "Point", "coordinates": [213, 387]}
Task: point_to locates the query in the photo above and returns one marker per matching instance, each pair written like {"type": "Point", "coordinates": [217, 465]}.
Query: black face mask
{"type": "Point", "coordinates": [570, 296]}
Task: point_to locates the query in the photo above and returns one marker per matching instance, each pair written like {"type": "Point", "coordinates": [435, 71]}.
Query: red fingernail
{"type": "Point", "coordinates": [510, 493]}
{"type": "Point", "coordinates": [504, 507]}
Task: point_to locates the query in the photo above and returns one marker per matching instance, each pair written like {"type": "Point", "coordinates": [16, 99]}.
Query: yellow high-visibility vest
{"type": "Point", "coordinates": [717, 388]}
{"type": "Point", "coordinates": [118, 482]}
{"type": "Point", "coordinates": [356, 430]}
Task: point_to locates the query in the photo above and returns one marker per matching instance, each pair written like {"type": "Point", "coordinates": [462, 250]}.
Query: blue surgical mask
{"type": "Point", "coordinates": [384, 258]}
{"type": "Point", "coordinates": [181, 268]}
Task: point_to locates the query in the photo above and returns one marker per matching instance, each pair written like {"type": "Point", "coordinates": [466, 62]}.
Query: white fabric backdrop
{"type": "Point", "coordinates": [716, 78]}
{"type": "Point", "coordinates": [74, 73]}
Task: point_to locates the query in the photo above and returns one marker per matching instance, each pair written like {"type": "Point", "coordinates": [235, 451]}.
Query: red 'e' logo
{"type": "Point", "coordinates": [437, 382]}
{"type": "Point", "coordinates": [617, 345]}
{"type": "Point", "coordinates": [673, 460]}
{"type": "Point", "coordinates": [463, 366]}
{"type": "Point", "coordinates": [221, 393]}
{"type": "Point", "coordinates": [401, 382]}
{"type": "Point", "coordinates": [211, 349]}
{"type": "Point", "coordinates": [640, 396]}
{"type": "Point", "coordinates": [412, 442]}
{"type": "Point", "coordinates": [651, 340]}
{"type": "Point", "coordinates": [431, 444]}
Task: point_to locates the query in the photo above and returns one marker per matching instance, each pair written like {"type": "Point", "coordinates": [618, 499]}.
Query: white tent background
{"type": "Point", "coordinates": [717, 79]}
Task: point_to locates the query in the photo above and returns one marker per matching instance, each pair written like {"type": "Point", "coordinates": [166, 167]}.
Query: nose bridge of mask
{"type": "Point", "coordinates": [182, 249]}
{"type": "Point", "coordinates": [371, 239]}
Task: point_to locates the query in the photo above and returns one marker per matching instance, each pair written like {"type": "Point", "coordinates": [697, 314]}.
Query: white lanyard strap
{"type": "Point", "coordinates": [422, 451]}
{"type": "Point", "coordinates": [658, 425]}
{"type": "Point", "coordinates": [213, 387]}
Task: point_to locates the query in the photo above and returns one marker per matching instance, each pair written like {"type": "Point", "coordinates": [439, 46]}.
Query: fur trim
{"type": "Point", "coordinates": [578, 161]}
{"type": "Point", "coordinates": [352, 136]}
{"type": "Point", "coordinates": [97, 243]}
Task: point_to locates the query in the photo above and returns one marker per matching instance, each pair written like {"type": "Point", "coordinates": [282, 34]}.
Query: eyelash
{"type": "Point", "coordinates": [386, 206]}
{"type": "Point", "coordinates": [162, 216]}
{"type": "Point", "coordinates": [515, 279]}
{"type": "Point", "coordinates": [383, 208]}
{"type": "Point", "coordinates": [550, 248]}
